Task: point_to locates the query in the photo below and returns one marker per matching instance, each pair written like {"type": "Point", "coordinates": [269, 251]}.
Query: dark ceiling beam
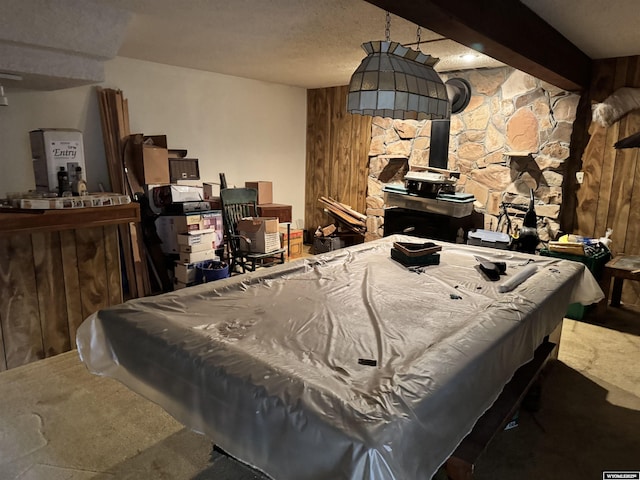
{"type": "Point", "coordinates": [506, 30]}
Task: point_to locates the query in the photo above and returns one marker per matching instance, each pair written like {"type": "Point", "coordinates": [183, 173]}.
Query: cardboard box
{"type": "Point", "coordinates": [166, 194]}
{"type": "Point", "coordinates": [213, 221]}
{"type": "Point", "coordinates": [150, 159]}
{"type": "Point", "coordinates": [212, 195]}
{"type": "Point", "coordinates": [194, 248]}
{"type": "Point", "coordinates": [295, 242]}
{"type": "Point", "coordinates": [170, 226]}
{"type": "Point", "coordinates": [52, 148]}
{"type": "Point", "coordinates": [211, 190]}
{"type": "Point", "coordinates": [196, 240]}
{"type": "Point", "coordinates": [178, 285]}
{"type": "Point", "coordinates": [263, 233]}
{"type": "Point", "coordinates": [197, 257]}
{"type": "Point", "coordinates": [265, 191]}
{"type": "Point", "coordinates": [185, 272]}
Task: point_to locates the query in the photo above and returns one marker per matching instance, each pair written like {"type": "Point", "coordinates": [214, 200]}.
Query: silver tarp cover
{"type": "Point", "coordinates": [267, 364]}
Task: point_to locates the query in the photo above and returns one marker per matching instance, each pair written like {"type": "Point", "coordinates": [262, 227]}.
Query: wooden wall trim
{"type": "Point", "coordinates": [56, 220]}
{"type": "Point", "coordinates": [505, 30]}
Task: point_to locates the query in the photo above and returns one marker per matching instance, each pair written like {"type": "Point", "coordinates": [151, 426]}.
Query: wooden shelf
{"type": "Point", "coordinates": [24, 221]}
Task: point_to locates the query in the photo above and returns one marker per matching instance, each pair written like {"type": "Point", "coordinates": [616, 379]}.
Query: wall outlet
{"type": "Point", "coordinates": [580, 177]}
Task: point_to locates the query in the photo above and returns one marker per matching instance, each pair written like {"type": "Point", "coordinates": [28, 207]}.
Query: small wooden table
{"type": "Point", "coordinates": [622, 267]}
{"type": "Point", "coordinates": [283, 212]}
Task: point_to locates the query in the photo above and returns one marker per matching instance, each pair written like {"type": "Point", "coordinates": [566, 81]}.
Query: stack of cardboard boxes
{"type": "Point", "coordinates": [194, 237]}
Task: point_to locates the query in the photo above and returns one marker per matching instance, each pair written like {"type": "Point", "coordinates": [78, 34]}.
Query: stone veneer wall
{"type": "Point", "coordinates": [513, 136]}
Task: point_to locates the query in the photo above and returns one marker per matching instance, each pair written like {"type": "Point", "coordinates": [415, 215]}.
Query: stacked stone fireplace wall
{"type": "Point", "coordinates": [513, 136]}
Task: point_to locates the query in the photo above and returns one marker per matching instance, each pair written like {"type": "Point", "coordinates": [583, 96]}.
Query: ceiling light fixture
{"type": "Point", "coordinates": [396, 81]}
{"type": "Point", "coordinates": [4, 101]}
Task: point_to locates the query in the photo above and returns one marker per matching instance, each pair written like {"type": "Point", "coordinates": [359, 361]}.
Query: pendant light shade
{"type": "Point", "coordinates": [397, 82]}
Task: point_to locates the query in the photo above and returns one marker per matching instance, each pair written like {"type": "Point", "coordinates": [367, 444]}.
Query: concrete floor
{"type": "Point", "coordinates": [59, 422]}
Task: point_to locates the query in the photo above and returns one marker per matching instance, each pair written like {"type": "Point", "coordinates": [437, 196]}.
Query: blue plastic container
{"type": "Point", "coordinates": [211, 271]}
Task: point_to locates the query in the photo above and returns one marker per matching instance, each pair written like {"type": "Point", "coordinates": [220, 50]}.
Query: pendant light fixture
{"type": "Point", "coordinates": [396, 81]}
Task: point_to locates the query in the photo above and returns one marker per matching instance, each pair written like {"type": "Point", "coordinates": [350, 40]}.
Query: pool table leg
{"type": "Point", "coordinates": [458, 469]}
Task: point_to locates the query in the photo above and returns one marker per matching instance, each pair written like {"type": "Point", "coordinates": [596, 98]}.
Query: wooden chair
{"type": "Point", "coordinates": [238, 203]}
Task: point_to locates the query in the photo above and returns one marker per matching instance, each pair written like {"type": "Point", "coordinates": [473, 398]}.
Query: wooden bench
{"type": "Point", "coordinates": [621, 268]}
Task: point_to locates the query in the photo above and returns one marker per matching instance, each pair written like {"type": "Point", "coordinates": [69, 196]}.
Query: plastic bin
{"type": "Point", "coordinates": [211, 271]}
{"type": "Point", "coordinates": [488, 238]}
{"type": "Point", "coordinates": [595, 263]}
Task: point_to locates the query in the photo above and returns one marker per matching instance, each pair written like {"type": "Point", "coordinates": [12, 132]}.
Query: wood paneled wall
{"type": "Point", "coordinates": [610, 194]}
{"type": "Point", "coordinates": [337, 154]}
{"type": "Point", "coordinates": [49, 283]}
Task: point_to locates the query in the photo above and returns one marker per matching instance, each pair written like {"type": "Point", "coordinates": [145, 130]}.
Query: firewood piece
{"type": "Point", "coordinates": [328, 230]}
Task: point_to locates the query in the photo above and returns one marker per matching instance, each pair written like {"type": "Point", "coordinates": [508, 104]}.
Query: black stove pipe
{"type": "Point", "coordinates": [439, 143]}
{"type": "Point", "coordinates": [459, 93]}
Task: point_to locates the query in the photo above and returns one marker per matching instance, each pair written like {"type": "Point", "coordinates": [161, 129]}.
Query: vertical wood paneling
{"type": "Point", "coordinates": [608, 163]}
{"type": "Point", "coordinates": [360, 161]}
{"type": "Point", "coordinates": [71, 283]}
{"type": "Point", "coordinates": [90, 249]}
{"type": "Point", "coordinates": [612, 177]}
{"type": "Point", "coordinates": [49, 283]}
{"type": "Point", "coordinates": [337, 148]}
{"type": "Point", "coordinates": [631, 290]}
{"type": "Point", "coordinates": [588, 198]}
{"type": "Point", "coordinates": [619, 206]}
{"type": "Point", "coordinates": [335, 131]}
{"type": "Point", "coordinates": [19, 312]}
{"type": "Point", "coordinates": [127, 254]}
{"type": "Point", "coordinates": [345, 144]}
{"type": "Point", "coordinates": [47, 259]}
{"type": "Point", "coordinates": [620, 75]}
{"type": "Point", "coordinates": [317, 142]}
{"type": "Point", "coordinates": [112, 262]}
{"type": "Point", "coordinates": [3, 357]}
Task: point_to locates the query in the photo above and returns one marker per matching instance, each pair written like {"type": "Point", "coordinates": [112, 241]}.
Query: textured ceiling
{"type": "Point", "coordinates": [305, 43]}
{"type": "Point", "coordinates": [600, 28]}
{"type": "Point", "coordinates": [316, 43]}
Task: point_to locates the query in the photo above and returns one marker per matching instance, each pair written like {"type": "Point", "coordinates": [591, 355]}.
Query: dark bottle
{"type": "Point", "coordinates": [63, 181]}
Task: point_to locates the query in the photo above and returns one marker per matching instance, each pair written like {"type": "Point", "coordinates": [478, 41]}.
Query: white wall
{"type": "Point", "coordinates": [249, 130]}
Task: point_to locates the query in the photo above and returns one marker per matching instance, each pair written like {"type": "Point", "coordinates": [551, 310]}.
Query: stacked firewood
{"type": "Point", "coordinates": [345, 215]}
